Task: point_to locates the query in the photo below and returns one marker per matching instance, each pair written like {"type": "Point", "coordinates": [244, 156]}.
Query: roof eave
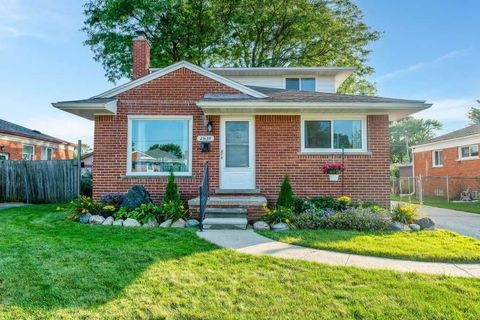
{"type": "Point", "coordinates": [88, 110]}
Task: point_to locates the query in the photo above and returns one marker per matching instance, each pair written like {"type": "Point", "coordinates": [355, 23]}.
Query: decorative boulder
{"type": "Point", "coordinates": [414, 227]}
{"type": "Point", "coordinates": [108, 221]}
{"type": "Point", "coordinates": [152, 223]}
{"type": "Point", "coordinates": [180, 223]}
{"type": "Point", "coordinates": [85, 218]}
{"type": "Point", "coordinates": [96, 219]}
{"type": "Point", "coordinates": [279, 226]}
{"type": "Point", "coordinates": [166, 223]}
{"type": "Point", "coordinates": [136, 196]}
{"type": "Point", "coordinates": [261, 225]}
{"type": "Point", "coordinates": [118, 222]}
{"type": "Point", "coordinates": [425, 222]}
{"type": "Point", "coordinates": [192, 223]}
{"type": "Point", "coordinates": [398, 226]}
{"type": "Point", "coordinates": [131, 223]}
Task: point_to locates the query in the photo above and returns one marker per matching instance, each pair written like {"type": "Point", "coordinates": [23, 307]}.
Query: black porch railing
{"type": "Point", "coordinates": [204, 190]}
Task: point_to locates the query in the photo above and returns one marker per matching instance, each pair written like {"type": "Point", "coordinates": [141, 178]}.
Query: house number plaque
{"type": "Point", "coordinates": [205, 138]}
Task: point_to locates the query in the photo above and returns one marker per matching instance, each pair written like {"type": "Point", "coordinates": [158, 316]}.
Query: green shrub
{"type": "Point", "coordinates": [122, 213]}
{"type": "Point", "coordinates": [82, 206]}
{"type": "Point", "coordinates": [405, 213]}
{"type": "Point", "coordinates": [286, 197]}
{"type": "Point", "coordinates": [173, 210]}
{"type": "Point", "coordinates": [278, 214]}
{"type": "Point", "coordinates": [344, 201]}
{"type": "Point", "coordinates": [171, 189]}
{"type": "Point", "coordinates": [143, 214]}
{"type": "Point", "coordinates": [325, 203]}
{"type": "Point", "coordinates": [86, 186]}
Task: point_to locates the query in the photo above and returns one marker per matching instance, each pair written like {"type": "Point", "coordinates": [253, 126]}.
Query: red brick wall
{"type": "Point", "coordinates": [14, 149]}
{"type": "Point", "coordinates": [277, 146]}
{"type": "Point", "coordinates": [451, 166]}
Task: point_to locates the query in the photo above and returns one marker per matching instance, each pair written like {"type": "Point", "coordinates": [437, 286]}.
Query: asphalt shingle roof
{"type": "Point", "coordinates": [15, 129]}
{"type": "Point", "coordinates": [468, 131]}
{"type": "Point", "coordinates": [283, 95]}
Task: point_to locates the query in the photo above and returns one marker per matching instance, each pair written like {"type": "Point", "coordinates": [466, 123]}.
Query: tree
{"type": "Point", "coordinates": [170, 148]}
{"type": "Point", "coordinates": [408, 132]}
{"type": "Point", "coordinates": [247, 33]}
{"type": "Point", "coordinates": [474, 114]}
{"type": "Point", "coordinates": [171, 190]}
{"type": "Point", "coordinates": [286, 197]}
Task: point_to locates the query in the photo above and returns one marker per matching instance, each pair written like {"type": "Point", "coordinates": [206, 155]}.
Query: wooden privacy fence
{"type": "Point", "coordinates": [38, 181]}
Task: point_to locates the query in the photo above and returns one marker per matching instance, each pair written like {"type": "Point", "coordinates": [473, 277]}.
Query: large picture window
{"type": "Point", "coordinates": [324, 135]}
{"type": "Point", "coordinates": [157, 144]}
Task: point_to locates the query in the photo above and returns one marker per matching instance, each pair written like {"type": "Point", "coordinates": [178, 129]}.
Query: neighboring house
{"type": "Point", "coordinates": [20, 143]}
{"type": "Point", "coordinates": [261, 123]}
{"type": "Point", "coordinates": [87, 163]}
{"type": "Point", "coordinates": [455, 154]}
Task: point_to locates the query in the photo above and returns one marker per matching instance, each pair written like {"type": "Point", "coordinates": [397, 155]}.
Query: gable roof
{"type": "Point", "coordinates": [182, 64]}
{"type": "Point", "coordinates": [465, 132]}
{"type": "Point", "coordinates": [17, 130]}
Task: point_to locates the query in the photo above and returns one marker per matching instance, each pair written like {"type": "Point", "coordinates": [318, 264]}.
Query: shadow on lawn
{"type": "Point", "coordinates": [49, 262]}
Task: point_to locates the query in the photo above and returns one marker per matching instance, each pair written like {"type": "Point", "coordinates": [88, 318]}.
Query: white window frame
{"type": "Point", "coordinates": [363, 119]}
{"type": "Point", "coordinates": [434, 164]}
{"type": "Point", "coordinates": [460, 157]}
{"type": "Point", "coordinates": [6, 155]}
{"type": "Point", "coordinates": [44, 153]}
{"type": "Point", "coordinates": [33, 154]}
{"type": "Point", "coordinates": [300, 82]}
{"type": "Point", "coordinates": [154, 118]}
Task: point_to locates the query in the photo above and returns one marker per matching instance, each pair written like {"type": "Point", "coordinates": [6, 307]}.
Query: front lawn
{"type": "Point", "coordinates": [54, 268]}
{"type": "Point", "coordinates": [473, 207]}
{"type": "Point", "coordinates": [443, 246]}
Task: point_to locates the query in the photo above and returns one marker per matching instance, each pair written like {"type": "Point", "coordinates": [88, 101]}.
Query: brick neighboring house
{"type": "Point", "coordinates": [455, 154]}
{"type": "Point", "coordinates": [20, 143]}
{"type": "Point", "coordinates": [261, 123]}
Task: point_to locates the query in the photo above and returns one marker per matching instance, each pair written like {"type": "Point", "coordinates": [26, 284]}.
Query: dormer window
{"type": "Point", "coordinates": [302, 84]}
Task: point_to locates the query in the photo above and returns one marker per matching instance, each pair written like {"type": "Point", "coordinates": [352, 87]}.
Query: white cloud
{"type": "Point", "coordinates": [420, 65]}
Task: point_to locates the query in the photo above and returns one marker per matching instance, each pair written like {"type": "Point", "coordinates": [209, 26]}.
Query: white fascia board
{"type": "Point", "coordinates": [182, 64]}
{"type": "Point", "coordinates": [266, 104]}
{"type": "Point", "coordinates": [88, 110]}
{"type": "Point", "coordinates": [445, 144]}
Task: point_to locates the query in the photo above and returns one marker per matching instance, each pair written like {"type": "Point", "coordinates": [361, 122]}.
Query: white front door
{"type": "Point", "coordinates": [237, 153]}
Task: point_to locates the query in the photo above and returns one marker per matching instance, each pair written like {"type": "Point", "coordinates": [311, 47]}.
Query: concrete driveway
{"type": "Point", "coordinates": [462, 222]}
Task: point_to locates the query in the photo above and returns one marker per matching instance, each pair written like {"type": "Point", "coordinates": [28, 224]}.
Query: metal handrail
{"type": "Point", "coordinates": [203, 195]}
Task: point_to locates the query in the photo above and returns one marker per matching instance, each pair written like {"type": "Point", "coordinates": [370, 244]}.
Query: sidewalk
{"type": "Point", "coordinates": [247, 241]}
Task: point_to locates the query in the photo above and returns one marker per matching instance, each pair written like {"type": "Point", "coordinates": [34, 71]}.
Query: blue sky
{"type": "Point", "coordinates": [429, 50]}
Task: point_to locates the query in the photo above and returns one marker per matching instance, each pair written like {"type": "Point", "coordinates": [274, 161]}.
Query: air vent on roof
{"type": "Point", "coordinates": [36, 131]}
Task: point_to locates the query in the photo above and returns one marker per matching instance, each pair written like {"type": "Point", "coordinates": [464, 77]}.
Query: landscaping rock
{"type": "Point", "coordinates": [432, 228]}
{"type": "Point", "coordinates": [151, 224]}
{"type": "Point", "coordinates": [180, 223]}
{"type": "Point", "coordinates": [118, 223]}
{"type": "Point", "coordinates": [136, 196]}
{"type": "Point", "coordinates": [131, 223]}
{"type": "Point", "coordinates": [425, 222]}
{"type": "Point", "coordinates": [261, 225]}
{"type": "Point", "coordinates": [279, 226]}
{"type": "Point", "coordinates": [96, 219]}
{"type": "Point", "coordinates": [398, 226]}
{"type": "Point", "coordinates": [166, 223]}
{"type": "Point", "coordinates": [84, 218]}
{"type": "Point", "coordinates": [108, 221]}
{"type": "Point", "coordinates": [192, 223]}
{"type": "Point", "coordinates": [414, 227]}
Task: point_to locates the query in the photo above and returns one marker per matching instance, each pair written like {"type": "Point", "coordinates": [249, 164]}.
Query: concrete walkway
{"type": "Point", "coordinates": [465, 223]}
{"type": "Point", "coordinates": [247, 241]}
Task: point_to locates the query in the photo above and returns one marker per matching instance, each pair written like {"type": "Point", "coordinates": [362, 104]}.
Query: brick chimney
{"type": "Point", "coordinates": [140, 56]}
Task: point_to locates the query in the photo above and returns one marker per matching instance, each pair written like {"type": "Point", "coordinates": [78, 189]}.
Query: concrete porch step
{"type": "Point", "coordinates": [225, 223]}
{"type": "Point", "coordinates": [240, 201]}
{"type": "Point", "coordinates": [226, 213]}
{"type": "Point", "coordinates": [237, 191]}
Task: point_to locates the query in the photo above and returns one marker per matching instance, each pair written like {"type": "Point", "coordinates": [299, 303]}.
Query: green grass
{"type": "Point", "coordinates": [473, 207]}
{"type": "Point", "coordinates": [441, 246]}
{"type": "Point", "coordinates": [53, 268]}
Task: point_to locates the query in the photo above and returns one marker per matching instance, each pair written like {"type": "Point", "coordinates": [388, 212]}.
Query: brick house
{"type": "Point", "coordinates": [20, 143]}
{"type": "Point", "coordinates": [253, 125]}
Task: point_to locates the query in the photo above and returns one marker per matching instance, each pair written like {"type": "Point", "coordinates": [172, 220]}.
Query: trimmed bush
{"type": "Point", "coordinates": [171, 189]}
{"type": "Point", "coordinates": [286, 197]}
{"type": "Point", "coordinates": [278, 214]}
{"type": "Point", "coordinates": [405, 213]}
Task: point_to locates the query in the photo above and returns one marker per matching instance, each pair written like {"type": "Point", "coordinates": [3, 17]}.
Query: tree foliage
{"type": "Point", "coordinates": [408, 132]}
{"type": "Point", "coordinates": [246, 33]}
{"type": "Point", "coordinates": [171, 148]}
{"type": "Point", "coordinates": [474, 114]}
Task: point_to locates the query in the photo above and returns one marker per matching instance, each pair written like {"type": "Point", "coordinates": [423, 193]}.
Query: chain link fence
{"type": "Point", "coordinates": [438, 188]}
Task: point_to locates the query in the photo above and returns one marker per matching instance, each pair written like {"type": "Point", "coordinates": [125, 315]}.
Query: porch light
{"type": "Point", "coordinates": [209, 126]}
